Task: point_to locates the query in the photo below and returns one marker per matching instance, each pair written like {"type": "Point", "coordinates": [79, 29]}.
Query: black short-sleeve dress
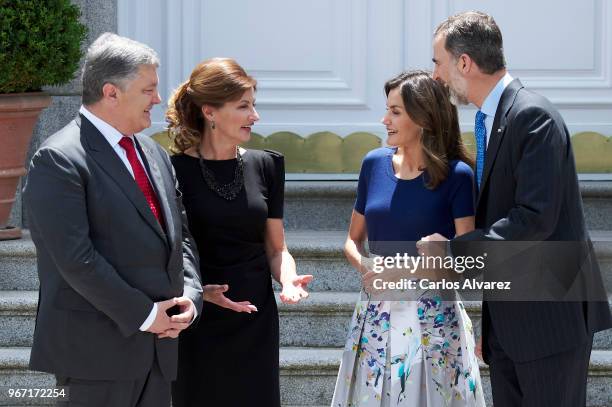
{"type": "Point", "coordinates": [231, 359]}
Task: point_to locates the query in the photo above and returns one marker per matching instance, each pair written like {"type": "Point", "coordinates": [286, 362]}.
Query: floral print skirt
{"type": "Point", "coordinates": [417, 353]}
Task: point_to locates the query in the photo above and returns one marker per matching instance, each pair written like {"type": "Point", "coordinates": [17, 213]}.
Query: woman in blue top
{"type": "Point", "coordinates": [418, 352]}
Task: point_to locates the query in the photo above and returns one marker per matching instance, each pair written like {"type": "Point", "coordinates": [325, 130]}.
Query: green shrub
{"type": "Point", "coordinates": [40, 44]}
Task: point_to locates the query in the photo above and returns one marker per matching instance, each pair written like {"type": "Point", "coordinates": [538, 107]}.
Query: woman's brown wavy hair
{"type": "Point", "coordinates": [213, 82]}
{"type": "Point", "coordinates": [428, 104]}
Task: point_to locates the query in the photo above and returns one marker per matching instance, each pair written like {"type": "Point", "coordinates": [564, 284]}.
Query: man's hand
{"type": "Point", "coordinates": [214, 293]}
{"type": "Point", "coordinates": [295, 289]}
{"type": "Point", "coordinates": [432, 245]}
{"type": "Point", "coordinates": [184, 317]}
{"type": "Point", "coordinates": [163, 323]}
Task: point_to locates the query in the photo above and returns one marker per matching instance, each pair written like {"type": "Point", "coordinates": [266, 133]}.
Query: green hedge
{"type": "Point", "coordinates": [40, 43]}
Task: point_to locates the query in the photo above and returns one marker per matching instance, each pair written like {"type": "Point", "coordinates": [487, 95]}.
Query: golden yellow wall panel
{"type": "Point", "coordinates": [326, 152]}
{"type": "Point", "coordinates": [593, 152]}
{"type": "Point", "coordinates": [356, 146]}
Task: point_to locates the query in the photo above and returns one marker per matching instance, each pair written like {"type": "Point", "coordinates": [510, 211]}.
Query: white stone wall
{"type": "Point", "coordinates": [321, 64]}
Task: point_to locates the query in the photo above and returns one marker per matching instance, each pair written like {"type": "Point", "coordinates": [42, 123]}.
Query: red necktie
{"type": "Point", "coordinates": [141, 178]}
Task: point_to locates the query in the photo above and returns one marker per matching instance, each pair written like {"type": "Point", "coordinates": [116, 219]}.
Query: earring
{"type": "Point", "coordinates": [212, 125]}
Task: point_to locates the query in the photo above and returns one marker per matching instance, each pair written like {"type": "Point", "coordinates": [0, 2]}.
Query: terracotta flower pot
{"type": "Point", "coordinates": [18, 115]}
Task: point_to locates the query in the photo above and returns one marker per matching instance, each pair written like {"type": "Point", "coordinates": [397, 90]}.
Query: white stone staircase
{"type": "Point", "coordinates": [312, 332]}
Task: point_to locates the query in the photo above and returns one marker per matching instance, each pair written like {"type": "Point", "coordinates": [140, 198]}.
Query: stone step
{"type": "Point", "coordinates": [602, 242]}
{"type": "Point", "coordinates": [17, 317]}
{"type": "Point", "coordinates": [307, 376]}
{"type": "Point", "coordinates": [322, 320]}
{"type": "Point", "coordinates": [18, 264]}
{"type": "Point", "coordinates": [327, 205]}
{"type": "Point", "coordinates": [320, 253]}
{"type": "Point", "coordinates": [298, 363]}
{"type": "Point", "coordinates": [316, 252]}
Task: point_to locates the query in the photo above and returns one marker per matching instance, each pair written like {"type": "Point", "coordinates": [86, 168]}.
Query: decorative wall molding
{"type": "Point", "coordinates": [266, 38]}
{"type": "Point", "coordinates": [561, 51]}
{"type": "Point", "coordinates": [321, 65]}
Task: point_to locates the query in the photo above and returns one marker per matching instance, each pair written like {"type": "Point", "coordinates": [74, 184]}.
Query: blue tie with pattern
{"type": "Point", "coordinates": [480, 133]}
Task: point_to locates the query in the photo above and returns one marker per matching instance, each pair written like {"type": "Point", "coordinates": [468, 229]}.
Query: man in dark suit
{"type": "Point", "coordinates": [527, 191]}
{"type": "Point", "coordinates": [118, 268]}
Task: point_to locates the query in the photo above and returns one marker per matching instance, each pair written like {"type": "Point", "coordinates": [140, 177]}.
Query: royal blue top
{"type": "Point", "coordinates": [398, 210]}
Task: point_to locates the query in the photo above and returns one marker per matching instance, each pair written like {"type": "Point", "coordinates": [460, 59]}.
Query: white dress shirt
{"type": "Point", "coordinates": [113, 136]}
{"type": "Point", "coordinates": [489, 106]}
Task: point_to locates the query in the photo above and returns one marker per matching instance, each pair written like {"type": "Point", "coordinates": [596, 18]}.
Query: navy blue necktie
{"type": "Point", "coordinates": [480, 133]}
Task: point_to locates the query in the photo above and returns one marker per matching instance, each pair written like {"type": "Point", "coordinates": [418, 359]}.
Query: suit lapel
{"type": "Point", "coordinates": [498, 131]}
{"type": "Point", "coordinates": [158, 184]}
{"type": "Point", "coordinates": [100, 151]}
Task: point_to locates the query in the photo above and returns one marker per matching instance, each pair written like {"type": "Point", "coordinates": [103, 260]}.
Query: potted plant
{"type": "Point", "coordinates": [40, 45]}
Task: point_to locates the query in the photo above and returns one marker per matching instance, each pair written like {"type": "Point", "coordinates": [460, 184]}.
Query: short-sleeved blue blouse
{"type": "Point", "coordinates": [398, 210]}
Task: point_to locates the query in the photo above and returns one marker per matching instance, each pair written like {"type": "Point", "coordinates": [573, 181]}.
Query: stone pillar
{"type": "Point", "coordinates": [99, 17]}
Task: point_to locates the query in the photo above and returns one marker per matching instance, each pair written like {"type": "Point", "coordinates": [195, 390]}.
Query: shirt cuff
{"type": "Point", "coordinates": [195, 312]}
{"type": "Point", "coordinates": [150, 319]}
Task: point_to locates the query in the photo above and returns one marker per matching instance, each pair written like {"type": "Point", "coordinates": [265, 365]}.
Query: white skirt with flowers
{"type": "Point", "coordinates": [417, 353]}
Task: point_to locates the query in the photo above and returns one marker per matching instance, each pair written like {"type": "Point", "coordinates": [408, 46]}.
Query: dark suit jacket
{"type": "Point", "coordinates": [103, 259]}
{"type": "Point", "coordinates": [530, 193]}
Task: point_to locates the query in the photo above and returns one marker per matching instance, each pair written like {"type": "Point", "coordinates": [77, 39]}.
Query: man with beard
{"type": "Point", "coordinates": [538, 351]}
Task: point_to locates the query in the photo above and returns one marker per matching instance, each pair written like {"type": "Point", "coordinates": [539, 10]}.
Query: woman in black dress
{"type": "Point", "coordinates": [234, 203]}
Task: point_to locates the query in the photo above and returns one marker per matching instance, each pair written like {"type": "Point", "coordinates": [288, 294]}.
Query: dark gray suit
{"type": "Point", "coordinates": [530, 192]}
{"type": "Point", "coordinates": [103, 259]}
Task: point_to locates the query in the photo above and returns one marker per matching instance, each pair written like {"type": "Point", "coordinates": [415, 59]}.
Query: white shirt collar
{"type": "Point", "coordinates": [489, 106]}
{"type": "Point", "coordinates": [111, 134]}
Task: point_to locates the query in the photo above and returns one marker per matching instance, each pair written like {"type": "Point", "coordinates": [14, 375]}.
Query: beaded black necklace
{"type": "Point", "coordinates": [227, 191]}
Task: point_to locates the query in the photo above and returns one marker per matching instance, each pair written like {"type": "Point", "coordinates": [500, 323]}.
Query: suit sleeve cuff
{"type": "Point", "coordinates": [150, 319]}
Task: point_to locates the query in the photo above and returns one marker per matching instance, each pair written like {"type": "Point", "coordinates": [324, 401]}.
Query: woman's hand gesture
{"type": "Point", "coordinates": [214, 293]}
{"type": "Point", "coordinates": [295, 289]}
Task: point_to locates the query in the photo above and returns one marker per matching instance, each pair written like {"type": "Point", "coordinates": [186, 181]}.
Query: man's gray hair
{"type": "Point", "coordinates": [476, 34]}
{"type": "Point", "coordinates": [113, 59]}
